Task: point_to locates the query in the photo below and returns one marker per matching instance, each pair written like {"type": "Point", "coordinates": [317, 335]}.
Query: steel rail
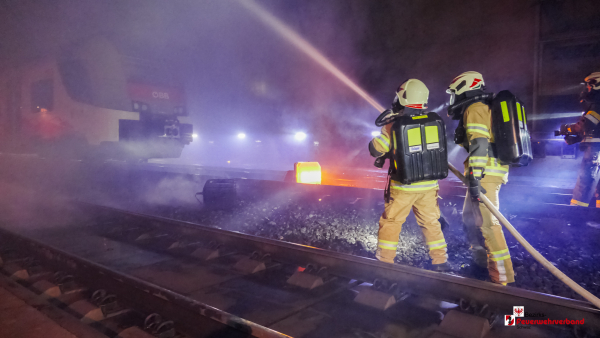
{"type": "Point", "coordinates": [148, 296]}
{"type": "Point", "coordinates": [532, 251]}
{"type": "Point", "coordinates": [443, 286]}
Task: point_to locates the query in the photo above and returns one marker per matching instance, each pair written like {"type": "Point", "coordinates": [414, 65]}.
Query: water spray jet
{"type": "Point", "coordinates": [553, 116]}
{"type": "Point", "coordinates": [299, 42]}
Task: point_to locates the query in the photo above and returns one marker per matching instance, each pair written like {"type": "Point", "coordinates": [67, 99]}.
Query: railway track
{"type": "Point", "coordinates": [208, 282]}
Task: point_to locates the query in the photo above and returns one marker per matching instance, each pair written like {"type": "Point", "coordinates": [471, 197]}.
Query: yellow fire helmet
{"type": "Point", "coordinates": [412, 94]}
{"type": "Point", "coordinates": [593, 80]}
{"type": "Point", "coordinates": [465, 82]}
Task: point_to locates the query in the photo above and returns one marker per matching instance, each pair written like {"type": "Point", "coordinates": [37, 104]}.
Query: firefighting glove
{"type": "Point", "coordinates": [572, 139]}
{"type": "Point", "coordinates": [444, 223]}
{"type": "Point", "coordinates": [474, 188]}
{"type": "Point", "coordinates": [565, 129]}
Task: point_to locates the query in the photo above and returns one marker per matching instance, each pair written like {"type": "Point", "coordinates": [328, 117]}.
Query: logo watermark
{"type": "Point", "coordinates": [524, 320]}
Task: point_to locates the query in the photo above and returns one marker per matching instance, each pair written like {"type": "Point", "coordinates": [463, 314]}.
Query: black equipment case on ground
{"type": "Point", "coordinates": [420, 151]}
{"type": "Point", "coordinates": [509, 125]}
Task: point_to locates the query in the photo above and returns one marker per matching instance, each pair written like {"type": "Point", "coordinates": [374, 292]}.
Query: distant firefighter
{"type": "Point", "coordinates": [470, 105]}
{"type": "Point", "coordinates": [402, 136]}
{"type": "Point", "coordinates": [587, 131]}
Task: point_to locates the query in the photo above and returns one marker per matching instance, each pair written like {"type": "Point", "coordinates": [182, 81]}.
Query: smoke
{"type": "Point", "coordinates": [305, 47]}
{"type": "Point", "coordinates": [242, 76]}
{"type": "Point", "coordinates": [379, 51]}
{"type": "Point", "coordinates": [174, 190]}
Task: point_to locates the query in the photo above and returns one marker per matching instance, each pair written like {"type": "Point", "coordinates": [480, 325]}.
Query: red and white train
{"type": "Point", "coordinates": [91, 101]}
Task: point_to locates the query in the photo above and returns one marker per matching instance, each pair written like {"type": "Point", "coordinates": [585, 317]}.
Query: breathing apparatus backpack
{"type": "Point", "coordinates": [419, 148]}
{"type": "Point", "coordinates": [512, 142]}
{"type": "Point", "coordinates": [509, 125]}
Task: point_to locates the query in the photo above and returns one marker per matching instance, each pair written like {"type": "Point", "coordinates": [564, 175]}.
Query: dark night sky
{"type": "Point", "coordinates": [240, 76]}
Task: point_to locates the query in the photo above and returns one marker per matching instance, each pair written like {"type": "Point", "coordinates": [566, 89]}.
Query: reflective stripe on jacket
{"type": "Point", "coordinates": [380, 143]}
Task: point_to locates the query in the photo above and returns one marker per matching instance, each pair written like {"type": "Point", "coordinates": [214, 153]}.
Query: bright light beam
{"type": "Point", "coordinates": [295, 39]}
{"type": "Point", "coordinates": [300, 136]}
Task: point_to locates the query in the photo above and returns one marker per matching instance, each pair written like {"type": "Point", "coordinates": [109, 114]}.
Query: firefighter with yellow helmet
{"type": "Point", "coordinates": [470, 105]}
{"type": "Point", "coordinates": [587, 131]}
{"type": "Point", "coordinates": [421, 197]}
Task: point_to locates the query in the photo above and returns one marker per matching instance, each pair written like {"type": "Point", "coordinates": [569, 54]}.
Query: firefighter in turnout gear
{"type": "Point", "coordinates": [587, 131]}
{"type": "Point", "coordinates": [421, 197]}
{"type": "Point", "coordinates": [484, 172]}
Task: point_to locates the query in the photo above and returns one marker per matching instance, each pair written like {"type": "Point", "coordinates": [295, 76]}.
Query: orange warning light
{"type": "Point", "coordinates": [308, 172]}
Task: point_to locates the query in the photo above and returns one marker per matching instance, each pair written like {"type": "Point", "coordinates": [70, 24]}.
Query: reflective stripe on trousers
{"type": "Point", "coordinates": [387, 245]}
{"type": "Point", "coordinates": [439, 244]}
{"type": "Point", "coordinates": [499, 255]}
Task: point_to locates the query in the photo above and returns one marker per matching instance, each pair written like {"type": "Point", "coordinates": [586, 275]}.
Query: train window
{"type": "Point", "coordinates": [42, 95]}
{"type": "Point", "coordinates": [76, 80]}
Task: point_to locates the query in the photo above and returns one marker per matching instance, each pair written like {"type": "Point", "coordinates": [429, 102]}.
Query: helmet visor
{"type": "Point", "coordinates": [396, 106]}
{"type": "Point", "coordinates": [452, 96]}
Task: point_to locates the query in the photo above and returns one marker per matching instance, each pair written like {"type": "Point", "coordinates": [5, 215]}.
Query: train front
{"type": "Point", "coordinates": [161, 131]}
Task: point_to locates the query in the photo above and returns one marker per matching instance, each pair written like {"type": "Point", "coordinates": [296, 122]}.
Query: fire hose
{"type": "Point", "coordinates": [541, 259]}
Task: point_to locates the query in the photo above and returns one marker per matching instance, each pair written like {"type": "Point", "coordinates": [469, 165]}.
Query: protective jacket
{"type": "Point", "coordinates": [588, 179]}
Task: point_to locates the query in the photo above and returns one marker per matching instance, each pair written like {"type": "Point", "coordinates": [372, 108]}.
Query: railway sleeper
{"type": "Point", "coordinates": [211, 251]}
{"type": "Point", "coordinates": [61, 290]}
{"type": "Point", "coordinates": [382, 295]}
{"type": "Point", "coordinates": [99, 309]}
{"type": "Point", "coordinates": [310, 277]}
{"type": "Point", "coordinates": [464, 325]}
{"type": "Point", "coordinates": [252, 264]}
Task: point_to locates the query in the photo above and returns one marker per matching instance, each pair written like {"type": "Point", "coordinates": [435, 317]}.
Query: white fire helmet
{"type": "Point", "coordinates": [412, 94]}
{"type": "Point", "coordinates": [593, 80]}
{"type": "Point", "coordinates": [463, 83]}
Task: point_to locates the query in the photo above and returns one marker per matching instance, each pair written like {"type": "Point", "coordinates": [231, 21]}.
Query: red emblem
{"type": "Point", "coordinates": [475, 82]}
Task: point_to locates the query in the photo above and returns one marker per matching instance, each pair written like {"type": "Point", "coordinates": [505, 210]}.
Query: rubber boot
{"type": "Point", "coordinates": [479, 255]}
{"type": "Point", "coordinates": [444, 267]}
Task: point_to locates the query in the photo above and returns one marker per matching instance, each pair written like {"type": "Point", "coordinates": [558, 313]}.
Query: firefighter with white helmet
{"type": "Point", "coordinates": [470, 105]}
{"type": "Point", "coordinates": [587, 131]}
{"type": "Point", "coordinates": [421, 197]}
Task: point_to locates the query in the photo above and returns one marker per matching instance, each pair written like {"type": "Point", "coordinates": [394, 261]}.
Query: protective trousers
{"type": "Point", "coordinates": [589, 177]}
{"type": "Point", "coordinates": [427, 212]}
{"type": "Point", "coordinates": [498, 258]}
